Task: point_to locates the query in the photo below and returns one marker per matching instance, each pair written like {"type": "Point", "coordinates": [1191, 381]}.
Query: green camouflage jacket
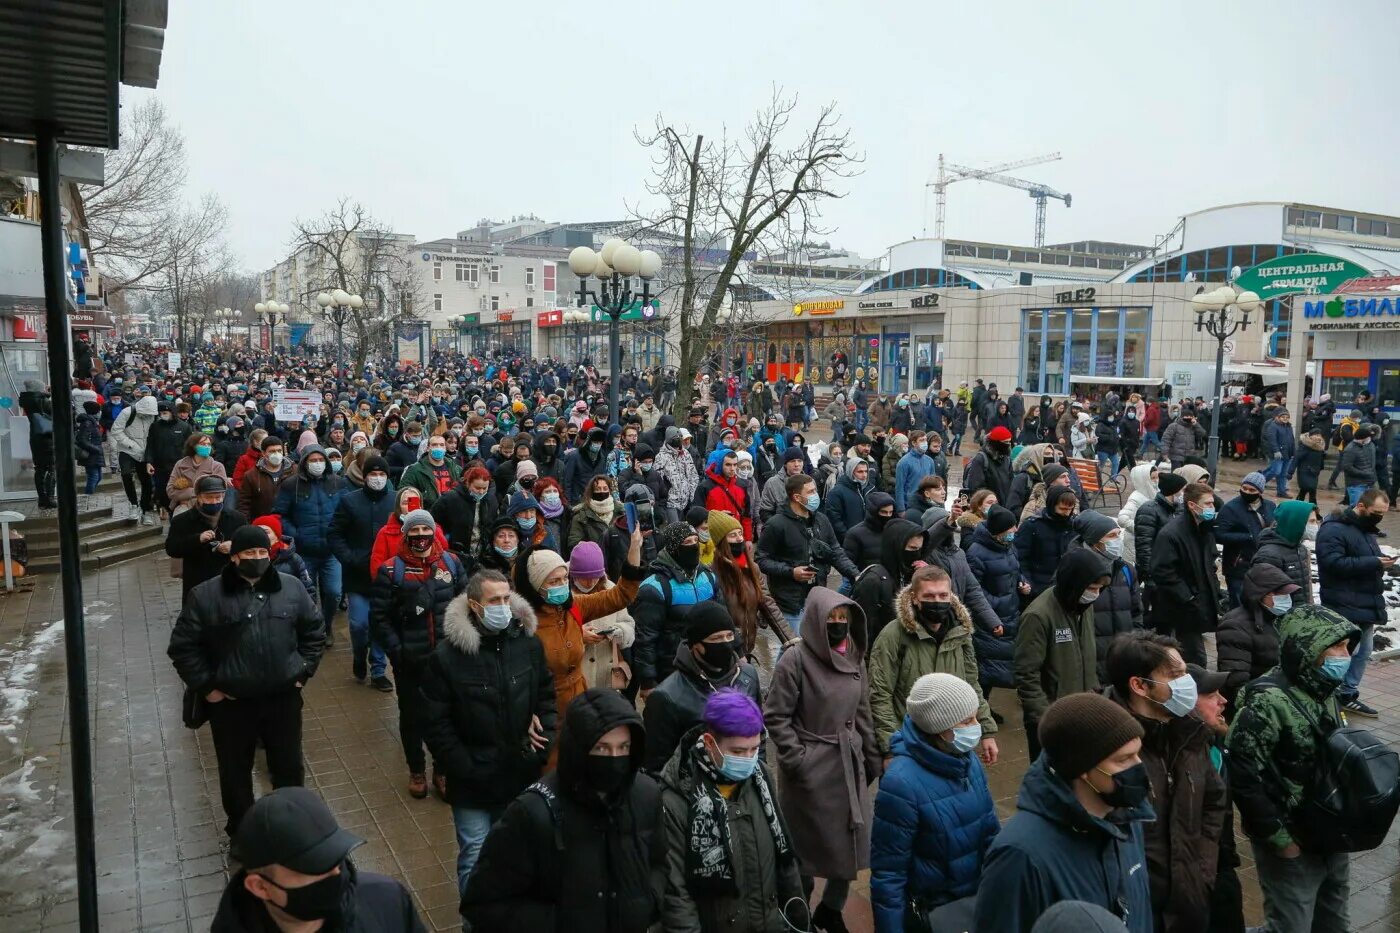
{"type": "Point", "coordinates": [1273, 748]}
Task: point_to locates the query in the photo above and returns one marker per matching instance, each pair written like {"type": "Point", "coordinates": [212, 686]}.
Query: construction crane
{"type": "Point", "coordinates": [949, 172]}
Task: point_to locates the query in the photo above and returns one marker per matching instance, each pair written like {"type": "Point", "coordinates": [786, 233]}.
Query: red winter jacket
{"type": "Point", "coordinates": [728, 496]}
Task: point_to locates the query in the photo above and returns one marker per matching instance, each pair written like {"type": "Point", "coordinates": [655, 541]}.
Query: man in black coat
{"type": "Point", "coordinates": [1186, 596]}
{"type": "Point", "coordinates": [165, 445]}
{"type": "Point", "coordinates": [297, 870]}
{"type": "Point", "coordinates": [797, 549]}
{"type": "Point", "coordinates": [201, 536]}
{"type": "Point", "coordinates": [246, 642]}
{"type": "Point", "coordinates": [358, 517]}
{"type": "Point", "coordinates": [1151, 518]}
{"type": "Point", "coordinates": [581, 851]}
{"type": "Point", "coordinates": [862, 542]}
{"type": "Point", "coordinates": [491, 743]}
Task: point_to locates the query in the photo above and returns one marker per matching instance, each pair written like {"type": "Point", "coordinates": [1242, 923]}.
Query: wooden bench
{"type": "Point", "coordinates": [1093, 480]}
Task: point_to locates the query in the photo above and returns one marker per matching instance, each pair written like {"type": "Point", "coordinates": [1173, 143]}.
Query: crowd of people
{"type": "Point", "coordinates": [673, 673]}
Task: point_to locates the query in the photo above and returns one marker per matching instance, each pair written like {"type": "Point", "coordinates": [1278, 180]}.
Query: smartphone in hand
{"type": "Point", "coordinates": [630, 510]}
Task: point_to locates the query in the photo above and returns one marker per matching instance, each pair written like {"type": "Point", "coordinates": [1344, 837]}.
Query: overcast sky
{"type": "Point", "coordinates": [438, 114]}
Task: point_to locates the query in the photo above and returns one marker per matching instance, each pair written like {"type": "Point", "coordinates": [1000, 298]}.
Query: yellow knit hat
{"type": "Point", "coordinates": [721, 524]}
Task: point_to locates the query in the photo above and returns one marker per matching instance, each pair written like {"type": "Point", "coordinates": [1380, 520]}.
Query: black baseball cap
{"type": "Point", "coordinates": [1206, 681]}
{"type": "Point", "coordinates": [294, 828]}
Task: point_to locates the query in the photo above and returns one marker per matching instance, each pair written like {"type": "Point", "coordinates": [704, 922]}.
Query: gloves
{"type": "Point", "coordinates": [1278, 455]}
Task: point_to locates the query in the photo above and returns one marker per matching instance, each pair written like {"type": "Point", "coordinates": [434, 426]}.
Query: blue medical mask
{"type": "Point", "coordinates": [477, 496]}
{"type": "Point", "coordinates": [1334, 669]}
{"type": "Point", "coordinates": [557, 595]}
{"type": "Point", "coordinates": [495, 618]}
{"type": "Point", "coordinates": [1009, 537]}
{"type": "Point", "coordinates": [814, 502]}
{"type": "Point", "coordinates": [437, 453]}
{"type": "Point", "coordinates": [507, 553]}
{"type": "Point", "coordinates": [1282, 603]}
{"type": "Point", "coordinates": [471, 450]}
{"type": "Point", "coordinates": [202, 450]}
{"type": "Point", "coordinates": [526, 524]}
{"type": "Point", "coordinates": [1208, 515]}
{"type": "Point", "coordinates": [965, 738]}
{"type": "Point", "coordinates": [337, 466]}
{"type": "Point", "coordinates": [595, 447]}
{"type": "Point", "coordinates": [738, 767]}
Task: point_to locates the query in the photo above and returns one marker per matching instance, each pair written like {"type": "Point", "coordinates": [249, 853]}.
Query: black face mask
{"type": "Point", "coordinates": [1130, 787]}
{"type": "Point", "coordinates": [836, 632]}
{"type": "Point", "coordinates": [880, 521]}
{"type": "Point", "coordinates": [717, 656]}
{"type": "Point", "coordinates": [736, 548]}
{"type": "Point", "coordinates": [935, 614]}
{"type": "Point", "coordinates": [907, 558]}
{"type": "Point", "coordinates": [1370, 520]}
{"type": "Point", "coordinates": [1251, 497]}
{"type": "Point", "coordinates": [319, 900]}
{"type": "Point", "coordinates": [252, 568]}
{"type": "Point", "coordinates": [608, 773]}
{"type": "Point", "coordinates": [688, 556]}
{"type": "Point", "coordinates": [420, 544]}
{"type": "Point", "coordinates": [527, 483]}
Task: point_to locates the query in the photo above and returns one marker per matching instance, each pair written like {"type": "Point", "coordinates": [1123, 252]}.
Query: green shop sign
{"type": "Point", "coordinates": [1302, 272]}
{"type": "Point", "coordinates": [470, 320]}
{"type": "Point", "coordinates": [634, 312]}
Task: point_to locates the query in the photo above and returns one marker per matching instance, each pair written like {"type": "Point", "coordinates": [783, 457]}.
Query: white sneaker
{"type": "Point", "coordinates": [148, 518]}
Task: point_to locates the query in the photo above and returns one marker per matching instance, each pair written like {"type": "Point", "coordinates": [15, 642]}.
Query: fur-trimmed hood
{"type": "Point", "coordinates": [904, 614]}
{"type": "Point", "coordinates": [1313, 443]}
{"type": "Point", "coordinates": [464, 635]}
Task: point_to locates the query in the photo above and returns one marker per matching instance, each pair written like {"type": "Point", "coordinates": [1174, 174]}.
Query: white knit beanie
{"type": "Point", "coordinates": [938, 702]}
{"type": "Point", "coordinates": [540, 565]}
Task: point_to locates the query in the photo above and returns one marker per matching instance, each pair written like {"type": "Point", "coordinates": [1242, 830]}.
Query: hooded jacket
{"type": "Point", "coordinates": [1238, 529]}
{"type": "Point", "coordinates": [479, 692]}
{"type": "Point", "coordinates": [862, 540]}
{"type": "Point", "coordinates": [1040, 543]}
{"type": "Point", "coordinates": [988, 470]}
{"type": "Point", "coordinates": [719, 494]}
{"type": "Point", "coordinates": [845, 505]}
{"type": "Point", "coordinates": [165, 443]}
{"type": "Point", "coordinates": [818, 716]}
{"type": "Point", "coordinates": [1152, 516]}
{"type": "Point", "coordinates": [370, 903]}
{"type": "Point", "coordinates": [1246, 643]}
{"type": "Point", "coordinates": [132, 428]}
{"type": "Point", "coordinates": [1143, 492]}
{"type": "Point", "coordinates": [1026, 475]}
{"type": "Point", "coordinates": [907, 651]}
{"type": "Point", "coordinates": [1053, 850]}
{"type": "Point", "coordinates": [307, 504]}
{"type": "Point", "coordinates": [879, 583]}
{"type": "Point", "coordinates": [1349, 573]}
{"type": "Point", "coordinates": [1118, 609]}
{"type": "Point", "coordinates": [1186, 591]}
{"type": "Point", "coordinates": [1273, 749]}
{"type": "Point", "coordinates": [1282, 546]}
{"type": "Point", "coordinates": [662, 610]}
{"type": "Point", "coordinates": [934, 821]}
{"type": "Point", "coordinates": [677, 705]}
{"type": "Point", "coordinates": [564, 859]}
{"type": "Point", "coordinates": [581, 465]}
{"type": "Point", "coordinates": [1055, 652]}
{"type": "Point", "coordinates": [994, 563]}
{"type": "Point", "coordinates": [940, 549]}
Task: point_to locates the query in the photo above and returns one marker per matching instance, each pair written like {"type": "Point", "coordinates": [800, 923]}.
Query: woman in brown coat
{"type": "Point", "coordinates": [818, 715]}
{"type": "Point", "coordinates": [190, 469]}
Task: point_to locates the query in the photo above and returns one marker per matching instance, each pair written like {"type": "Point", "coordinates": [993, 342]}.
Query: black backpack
{"type": "Point", "coordinates": [1355, 789]}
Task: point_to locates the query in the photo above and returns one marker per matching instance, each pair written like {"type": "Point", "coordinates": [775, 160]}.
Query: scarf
{"type": "Point", "coordinates": [709, 854]}
{"type": "Point", "coordinates": [603, 509]}
{"type": "Point", "coordinates": [551, 511]}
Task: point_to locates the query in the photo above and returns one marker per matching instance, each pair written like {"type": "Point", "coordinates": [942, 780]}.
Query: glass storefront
{"type": "Point", "coordinates": [18, 362]}
{"type": "Point", "coordinates": [1058, 343]}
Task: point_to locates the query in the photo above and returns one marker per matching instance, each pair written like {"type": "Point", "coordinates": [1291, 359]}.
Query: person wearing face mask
{"type": "Point", "coordinates": [910, 471]}
{"type": "Point", "coordinates": [408, 605]}
{"type": "Point", "coordinates": [358, 517]}
{"type": "Point", "coordinates": [677, 584]}
{"type": "Point", "coordinates": [1147, 677]}
{"type": "Point", "coordinates": [199, 536]}
{"type": "Point", "coordinates": [862, 541]}
{"type": "Point", "coordinates": [197, 463]}
{"type": "Point", "coordinates": [1282, 544]}
{"type": "Point", "coordinates": [1077, 834]}
{"type": "Point", "coordinates": [583, 849]}
{"type": "Point", "coordinates": [231, 443]}
{"type": "Point", "coordinates": [489, 745]}
{"type": "Point", "coordinates": [1045, 538]}
{"type": "Point", "coordinates": [257, 493]}
{"type": "Point", "coordinates": [1238, 527]}
{"type": "Point", "coordinates": [797, 549]}
{"type": "Point", "coordinates": [715, 790]}
{"type": "Point", "coordinates": [594, 515]}
{"type": "Point", "coordinates": [1186, 596]}
{"type": "Point", "coordinates": [433, 474]}
{"type": "Point", "coordinates": [306, 503]}
{"type": "Point", "coordinates": [773, 494]}
{"type": "Point", "coordinates": [1182, 439]}
{"type": "Point", "coordinates": [1152, 516]}
{"type": "Point", "coordinates": [249, 675]}
{"type": "Point", "coordinates": [992, 559]}
{"type": "Point", "coordinates": [1351, 571]}
{"type": "Point", "coordinates": [585, 462]}
{"type": "Point", "coordinates": [1273, 748]}
{"type": "Point", "coordinates": [710, 658]}
{"type": "Point", "coordinates": [1118, 610]}
{"type": "Point", "coordinates": [721, 491]}
{"type": "Point", "coordinates": [165, 446]}
{"type": "Point", "coordinates": [1055, 652]}
{"type": "Point", "coordinates": [1357, 463]}
{"type": "Point", "coordinates": [130, 436]}
{"type": "Point", "coordinates": [932, 493]}
{"type": "Point", "coordinates": [1247, 641]}
{"type": "Point", "coordinates": [608, 640]}
{"type": "Point", "coordinates": [467, 513]}
{"type": "Point", "coordinates": [818, 717]}
{"type": "Point", "coordinates": [1142, 480]}
{"type": "Point", "coordinates": [678, 468]}
{"type": "Point", "coordinates": [295, 870]}
{"type": "Point", "coordinates": [934, 815]}
{"type": "Point", "coordinates": [542, 578]}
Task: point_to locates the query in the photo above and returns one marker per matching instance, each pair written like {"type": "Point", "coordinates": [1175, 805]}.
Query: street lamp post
{"type": "Point", "coordinates": [1214, 316]}
{"type": "Point", "coordinates": [614, 265]}
{"type": "Point", "coordinates": [270, 314]}
{"type": "Point", "coordinates": [336, 306]}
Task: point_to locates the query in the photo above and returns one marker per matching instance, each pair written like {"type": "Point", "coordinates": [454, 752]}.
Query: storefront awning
{"type": "Point", "coordinates": [1275, 370]}
{"type": "Point", "coordinates": [1114, 380]}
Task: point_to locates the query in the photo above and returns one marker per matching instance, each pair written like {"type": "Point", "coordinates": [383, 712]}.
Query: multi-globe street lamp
{"type": "Point", "coordinates": [226, 318]}
{"type": "Point", "coordinates": [270, 314]}
{"type": "Point", "coordinates": [336, 307]}
{"type": "Point", "coordinates": [614, 265]}
{"type": "Point", "coordinates": [1220, 312]}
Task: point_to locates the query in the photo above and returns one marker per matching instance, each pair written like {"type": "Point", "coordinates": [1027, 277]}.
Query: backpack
{"type": "Point", "coordinates": [1355, 790]}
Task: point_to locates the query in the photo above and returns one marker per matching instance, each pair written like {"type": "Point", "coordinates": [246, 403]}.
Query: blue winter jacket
{"type": "Point", "coordinates": [358, 517]}
{"type": "Point", "coordinates": [997, 568]}
{"type": "Point", "coordinates": [1278, 437]}
{"type": "Point", "coordinates": [934, 820]}
{"type": "Point", "coordinates": [306, 506]}
{"type": "Point", "coordinates": [1237, 528]}
{"type": "Point", "coordinates": [1040, 543]}
{"type": "Point", "coordinates": [912, 467]}
{"type": "Point", "coordinates": [1052, 850]}
{"type": "Point", "coordinates": [1349, 573]}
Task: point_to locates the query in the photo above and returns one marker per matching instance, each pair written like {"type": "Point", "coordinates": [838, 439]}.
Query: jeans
{"type": "Point", "coordinates": [94, 476]}
{"type": "Point", "coordinates": [1351, 683]}
{"type": "Point", "coordinates": [1277, 470]}
{"type": "Point", "coordinates": [1150, 439]}
{"type": "Point", "coordinates": [794, 621]}
{"type": "Point", "coordinates": [1354, 494]}
{"type": "Point", "coordinates": [325, 576]}
{"type": "Point", "coordinates": [1307, 894]}
{"type": "Point", "coordinates": [236, 727]}
{"type": "Point", "coordinates": [472, 828]}
{"type": "Point", "coordinates": [861, 417]}
{"type": "Point", "coordinates": [357, 615]}
{"type": "Point", "coordinates": [1112, 459]}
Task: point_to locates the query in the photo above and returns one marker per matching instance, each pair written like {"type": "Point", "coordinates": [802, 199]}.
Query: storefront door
{"type": "Point", "coordinates": [18, 362]}
{"type": "Point", "coordinates": [894, 363]}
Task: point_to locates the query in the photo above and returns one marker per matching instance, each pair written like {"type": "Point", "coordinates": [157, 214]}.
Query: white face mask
{"type": "Point", "coordinates": [1113, 547]}
{"type": "Point", "coordinates": [316, 469]}
{"type": "Point", "coordinates": [376, 483]}
{"type": "Point", "coordinates": [274, 460]}
{"type": "Point", "coordinates": [1310, 533]}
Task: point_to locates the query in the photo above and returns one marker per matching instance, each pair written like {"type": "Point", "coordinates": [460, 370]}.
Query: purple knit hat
{"type": "Point", "coordinates": [586, 561]}
{"type": "Point", "coordinates": [730, 713]}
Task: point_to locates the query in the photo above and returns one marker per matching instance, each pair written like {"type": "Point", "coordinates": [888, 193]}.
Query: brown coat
{"type": "Point", "coordinates": [185, 474]}
{"type": "Point", "coordinates": [818, 715]}
{"type": "Point", "coordinates": [258, 491]}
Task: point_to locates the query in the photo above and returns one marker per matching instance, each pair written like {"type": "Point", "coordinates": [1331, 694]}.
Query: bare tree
{"type": "Point", "coordinates": [190, 256]}
{"type": "Point", "coordinates": [128, 216]}
{"type": "Point", "coordinates": [729, 199]}
{"type": "Point", "coordinates": [347, 248]}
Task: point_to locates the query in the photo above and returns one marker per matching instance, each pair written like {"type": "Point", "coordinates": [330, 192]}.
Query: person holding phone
{"type": "Point", "coordinates": [608, 639]}
{"type": "Point", "coordinates": [797, 549]}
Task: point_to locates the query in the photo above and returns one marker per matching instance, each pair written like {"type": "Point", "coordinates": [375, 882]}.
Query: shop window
{"type": "Point", "coordinates": [1346, 224]}
{"type": "Point", "coordinates": [772, 354]}
{"type": "Point", "coordinates": [1107, 342]}
{"type": "Point", "coordinates": [1388, 386]}
{"type": "Point", "coordinates": [1330, 221]}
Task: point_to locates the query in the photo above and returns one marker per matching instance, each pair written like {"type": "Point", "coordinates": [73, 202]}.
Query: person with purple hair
{"type": "Point", "coordinates": [730, 863]}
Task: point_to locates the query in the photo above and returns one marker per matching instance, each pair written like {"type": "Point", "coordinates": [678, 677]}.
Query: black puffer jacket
{"type": "Point", "coordinates": [678, 703]}
{"type": "Point", "coordinates": [165, 444]}
{"type": "Point", "coordinates": [1291, 558]}
{"type": "Point", "coordinates": [479, 692]}
{"type": "Point", "coordinates": [407, 616]}
{"type": "Point", "coordinates": [565, 860]}
{"type": "Point", "coordinates": [1152, 517]}
{"type": "Point", "coordinates": [1349, 572]}
{"type": "Point", "coordinates": [245, 640]}
{"type": "Point", "coordinates": [358, 517]}
{"type": "Point", "coordinates": [1041, 542]}
{"type": "Point", "coordinates": [879, 584]}
{"type": "Point", "coordinates": [995, 565]}
{"type": "Point", "coordinates": [862, 542]}
{"type": "Point", "coordinates": [1246, 644]}
{"type": "Point", "coordinates": [1186, 589]}
{"type": "Point", "coordinates": [457, 513]}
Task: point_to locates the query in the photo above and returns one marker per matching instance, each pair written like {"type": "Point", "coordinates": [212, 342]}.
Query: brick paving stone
{"type": "Point", "coordinates": [162, 856]}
